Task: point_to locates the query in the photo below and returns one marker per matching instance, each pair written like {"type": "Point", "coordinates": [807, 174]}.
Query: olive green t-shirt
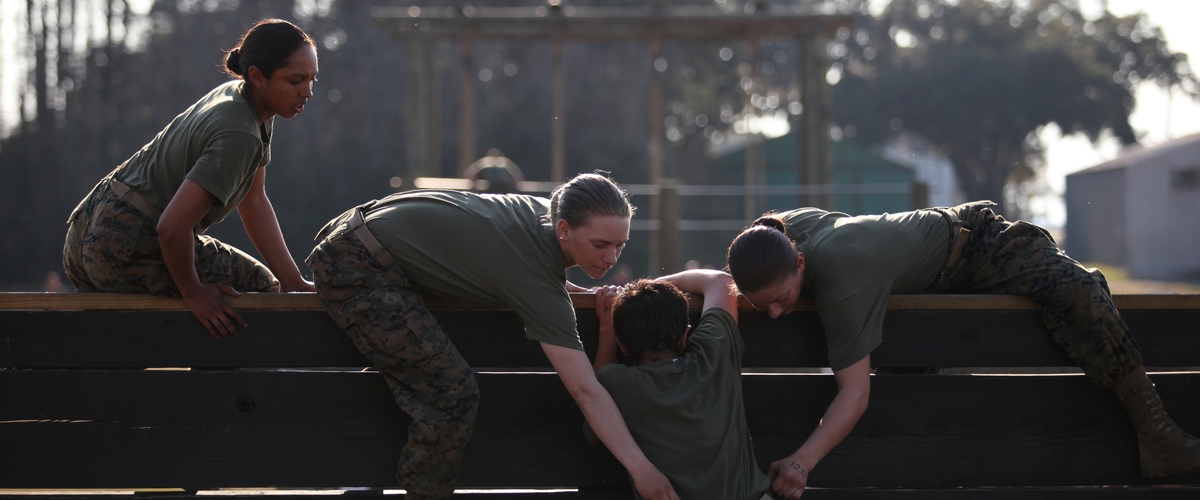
{"type": "Point", "coordinates": [687, 414]}
{"type": "Point", "coordinates": [852, 264]}
{"type": "Point", "coordinates": [488, 249]}
{"type": "Point", "coordinates": [217, 143]}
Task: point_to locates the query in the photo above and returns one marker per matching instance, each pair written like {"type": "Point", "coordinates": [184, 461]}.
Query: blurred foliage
{"type": "Point", "coordinates": [979, 78]}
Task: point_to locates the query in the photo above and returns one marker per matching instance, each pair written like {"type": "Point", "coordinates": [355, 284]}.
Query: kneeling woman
{"type": "Point", "coordinates": [373, 262]}
{"type": "Point", "coordinates": [141, 229]}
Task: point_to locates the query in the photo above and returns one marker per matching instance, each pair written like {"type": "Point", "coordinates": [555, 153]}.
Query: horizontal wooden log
{"type": "Point", "coordinates": [496, 339]}
{"type": "Point", "coordinates": [607, 494]}
{"type": "Point", "coordinates": [228, 428]}
{"type": "Point", "coordinates": [23, 301]}
{"type": "Point", "coordinates": [991, 493]}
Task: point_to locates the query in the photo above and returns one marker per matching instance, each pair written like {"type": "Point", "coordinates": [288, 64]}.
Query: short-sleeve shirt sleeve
{"type": "Point", "coordinates": [548, 313]}
{"type": "Point", "coordinates": [854, 323]}
{"type": "Point", "coordinates": [226, 164]}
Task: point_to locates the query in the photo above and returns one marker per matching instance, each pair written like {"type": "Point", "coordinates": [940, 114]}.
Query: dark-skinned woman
{"type": "Point", "coordinates": [141, 228]}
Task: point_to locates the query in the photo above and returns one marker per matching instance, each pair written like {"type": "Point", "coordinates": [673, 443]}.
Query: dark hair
{"type": "Point", "coordinates": [761, 255]}
{"type": "Point", "coordinates": [267, 45]}
{"type": "Point", "coordinates": [588, 195]}
{"type": "Point", "coordinates": [650, 315]}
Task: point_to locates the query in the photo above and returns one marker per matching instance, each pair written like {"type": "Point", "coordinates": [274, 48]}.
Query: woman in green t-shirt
{"type": "Point", "coordinates": [373, 263]}
{"type": "Point", "coordinates": [849, 265]}
{"type": "Point", "coordinates": [141, 228]}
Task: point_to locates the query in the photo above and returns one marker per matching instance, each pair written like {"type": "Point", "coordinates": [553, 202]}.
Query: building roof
{"type": "Point", "coordinates": [1141, 155]}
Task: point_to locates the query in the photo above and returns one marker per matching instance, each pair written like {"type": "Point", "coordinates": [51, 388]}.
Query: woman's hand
{"type": "Point", "coordinates": [789, 476]}
{"type": "Point", "coordinates": [652, 484]}
{"type": "Point", "coordinates": [207, 303]}
{"type": "Point", "coordinates": [605, 296]}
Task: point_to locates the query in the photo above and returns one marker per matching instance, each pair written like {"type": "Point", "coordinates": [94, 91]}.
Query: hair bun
{"type": "Point", "coordinates": [771, 222]}
{"type": "Point", "coordinates": [233, 61]}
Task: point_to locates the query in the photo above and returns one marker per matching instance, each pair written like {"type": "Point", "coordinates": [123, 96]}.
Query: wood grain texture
{"type": "Point", "coordinates": [990, 493]}
{"type": "Point", "coordinates": [24, 301]}
{"type": "Point", "coordinates": [236, 428]}
{"type": "Point", "coordinates": [496, 339]}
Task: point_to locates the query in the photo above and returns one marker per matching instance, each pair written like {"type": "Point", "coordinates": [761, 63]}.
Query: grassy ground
{"type": "Point", "coordinates": [1120, 282]}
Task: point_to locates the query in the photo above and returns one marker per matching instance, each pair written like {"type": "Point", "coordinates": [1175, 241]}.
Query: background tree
{"type": "Point", "coordinates": [979, 79]}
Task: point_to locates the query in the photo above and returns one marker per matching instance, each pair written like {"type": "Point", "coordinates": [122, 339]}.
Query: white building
{"type": "Point", "coordinates": [1140, 211]}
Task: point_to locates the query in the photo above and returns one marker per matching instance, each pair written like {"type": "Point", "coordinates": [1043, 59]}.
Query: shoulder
{"type": "Point", "coordinates": [716, 328]}
{"type": "Point", "coordinates": [227, 108]}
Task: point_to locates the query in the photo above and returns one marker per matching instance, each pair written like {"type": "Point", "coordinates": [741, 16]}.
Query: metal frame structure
{"type": "Point", "coordinates": [422, 27]}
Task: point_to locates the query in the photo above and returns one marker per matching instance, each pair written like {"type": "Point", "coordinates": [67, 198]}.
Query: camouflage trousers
{"type": "Point", "coordinates": [113, 247]}
{"type": "Point", "coordinates": [385, 316]}
{"type": "Point", "coordinates": [1020, 258]}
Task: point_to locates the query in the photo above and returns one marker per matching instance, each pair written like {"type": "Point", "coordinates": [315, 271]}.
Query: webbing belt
{"type": "Point", "coordinates": [358, 226]}
{"type": "Point", "coordinates": [133, 198]}
{"type": "Point", "coordinates": [959, 235]}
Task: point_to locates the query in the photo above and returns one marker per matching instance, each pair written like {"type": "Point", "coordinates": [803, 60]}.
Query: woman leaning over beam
{"type": "Point", "coordinates": [849, 266]}
{"type": "Point", "coordinates": [141, 228]}
{"type": "Point", "coordinates": [373, 262]}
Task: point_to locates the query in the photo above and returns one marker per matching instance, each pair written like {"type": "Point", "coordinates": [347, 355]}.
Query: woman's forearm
{"type": "Point", "coordinates": [844, 411]}
{"type": "Point", "coordinates": [262, 225]}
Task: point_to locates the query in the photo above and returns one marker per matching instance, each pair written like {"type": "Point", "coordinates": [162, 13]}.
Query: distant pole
{"type": "Point", "coordinates": [466, 118]}
{"type": "Point", "coordinates": [754, 150]}
{"type": "Point", "coordinates": [558, 149]}
{"type": "Point", "coordinates": [656, 134]}
{"type": "Point", "coordinates": [423, 140]}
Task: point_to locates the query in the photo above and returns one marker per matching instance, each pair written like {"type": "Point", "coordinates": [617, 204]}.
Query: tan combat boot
{"type": "Point", "coordinates": [1163, 447]}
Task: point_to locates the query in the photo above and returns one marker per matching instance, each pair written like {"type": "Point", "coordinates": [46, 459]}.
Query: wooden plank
{"type": "Point", "coordinates": [496, 339]}
{"type": "Point", "coordinates": [308, 302]}
{"type": "Point", "coordinates": [376, 494]}
{"type": "Point", "coordinates": [1010, 493]}
{"type": "Point", "coordinates": [127, 428]}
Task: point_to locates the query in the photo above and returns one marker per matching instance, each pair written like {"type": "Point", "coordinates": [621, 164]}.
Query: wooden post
{"type": "Point", "coordinates": [466, 117]}
{"type": "Point", "coordinates": [814, 155]}
{"type": "Point", "coordinates": [656, 135]}
{"type": "Point", "coordinates": [423, 140]}
{"type": "Point", "coordinates": [754, 149]}
{"type": "Point", "coordinates": [558, 151]}
{"type": "Point", "coordinates": [669, 227]}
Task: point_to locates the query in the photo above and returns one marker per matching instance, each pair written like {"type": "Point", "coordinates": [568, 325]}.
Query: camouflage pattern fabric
{"type": "Point", "coordinates": [385, 316]}
{"type": "Point", "coordinates": [113, 247]}
{"type": "Point", "coordinates": [1020, 258]}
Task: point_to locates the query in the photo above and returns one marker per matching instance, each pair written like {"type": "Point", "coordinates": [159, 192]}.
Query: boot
{"type": "Point", "coordinates": [1163, 448]}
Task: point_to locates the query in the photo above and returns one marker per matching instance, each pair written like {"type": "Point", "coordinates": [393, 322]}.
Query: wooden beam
{"type": "Point", "coordinates": [611, 24]}
{"type": "Point", "coordinates": [222, 428]}
{"type": "Point", "coordinates": [28, 301]}
{"type": "Point", "coordinates": [496, 339]}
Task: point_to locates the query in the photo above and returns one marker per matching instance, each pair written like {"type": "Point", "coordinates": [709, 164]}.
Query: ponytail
{"type": "Point", "coordinates": [761, 255]}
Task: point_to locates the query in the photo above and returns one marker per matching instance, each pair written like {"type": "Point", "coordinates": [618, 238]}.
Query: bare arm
{"type": "Point", "coordinates": [716, 286]}
{"type": "Point", "coordinates": [258, 216]}
{"type": "Point", "coordinates": [854, 389]}
{"type": "Point", "coordinates": [602, 414]}
{"type": "Point", "coordinates": [606, 347]}
{"type": "Point", "coordinates": [176, 237]}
